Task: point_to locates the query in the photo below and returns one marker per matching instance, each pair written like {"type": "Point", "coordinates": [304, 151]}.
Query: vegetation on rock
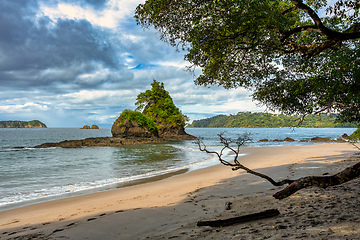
{"type": "Point", "coordinates": [155, 112]}
{"type": "Point", "coordinates": [141, 119]}
{"type": "Point", "coordinates": [268, 120]}
{"type": "Point", "coordinates": [158, 105]}
{"type": "Point", "coordinates": [355, 136]}
{"type": "Point", "coordinates": [22, 124]}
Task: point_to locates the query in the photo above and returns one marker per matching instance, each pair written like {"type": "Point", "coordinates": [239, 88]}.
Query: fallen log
{"type": "Point", "coordinates": [320, 181]}
{"type": "Point", "coordinates": [246, 218]}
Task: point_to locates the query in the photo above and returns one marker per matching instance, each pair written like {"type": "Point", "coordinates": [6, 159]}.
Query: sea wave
{"type": "Point", "coordinates": [85, 187]}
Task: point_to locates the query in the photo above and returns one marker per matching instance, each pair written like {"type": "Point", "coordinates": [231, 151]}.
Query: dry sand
{"type": "Point", "coordinates": [170, 208]}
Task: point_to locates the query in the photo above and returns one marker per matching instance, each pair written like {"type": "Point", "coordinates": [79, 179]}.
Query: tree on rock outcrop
{"type": "Point", "coordinates": [156, 116]}
{"type": "Point", "coordinates": [158, 105]}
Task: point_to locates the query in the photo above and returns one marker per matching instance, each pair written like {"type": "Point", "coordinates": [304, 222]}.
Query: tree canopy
{"type": "Point", "coordinates": [298, 57]}
{"type": "Point", "coordinates": [158, 105]}
{"type": "Point", "coordinates": [155, 110]}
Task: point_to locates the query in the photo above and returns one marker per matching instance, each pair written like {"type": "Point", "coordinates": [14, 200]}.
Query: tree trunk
{"type": "Point", "coordinates": [241, 219]}
{"type": "Point", "coordinates": [320, 181]}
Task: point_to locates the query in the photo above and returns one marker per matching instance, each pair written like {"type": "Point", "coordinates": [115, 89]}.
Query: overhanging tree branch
{"type": "Point", "coordinates": [332, 37]}
{"type": "Point", "coordinates": [317, 20]}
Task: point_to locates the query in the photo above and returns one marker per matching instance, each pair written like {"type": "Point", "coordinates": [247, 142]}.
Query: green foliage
{"type": "Point", "coordinates": [159, 106]}
{"type": "Point", "coordinates": [355, 136]}
{"type": "Point", "coordinates": [142, 120]}
{"type": "Point", "coordinates": [268, 120]}
{"type": "Point", "coordinates": [333, 84]}
{"type": "Point", "coordinates": [243, 43]}
{"type": "Point", "coordinates": [158, 110]}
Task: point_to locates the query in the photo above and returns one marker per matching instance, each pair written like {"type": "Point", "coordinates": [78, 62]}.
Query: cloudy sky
{"type": "Point", "coordinates": [73, 62]}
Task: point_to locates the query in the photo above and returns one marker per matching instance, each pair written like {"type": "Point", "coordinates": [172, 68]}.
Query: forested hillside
{"type": "Point", "coordinates": [268, 120]}
{"type": "Point", "coordinates": [22, 124]}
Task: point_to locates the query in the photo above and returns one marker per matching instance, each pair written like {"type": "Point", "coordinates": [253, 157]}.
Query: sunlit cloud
{"type": "Point", "coordinates": [27, 107]}
{"type": "Point", "coordinates": [108, 17]}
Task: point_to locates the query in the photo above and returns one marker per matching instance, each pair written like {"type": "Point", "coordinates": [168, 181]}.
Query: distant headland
{"type": "Point", "coordinates": [268, 120]}
{"type": "Point", "coordinates": [156, 120]}
{"type": "Point", "coordinates": [22, 124]}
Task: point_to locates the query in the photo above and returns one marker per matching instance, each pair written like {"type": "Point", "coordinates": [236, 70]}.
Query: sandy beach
{"type": "Point", "coordinates": [170, 208]}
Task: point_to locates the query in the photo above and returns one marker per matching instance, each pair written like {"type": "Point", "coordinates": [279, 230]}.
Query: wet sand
{"type": "Point", "coordinates": [170, 208]}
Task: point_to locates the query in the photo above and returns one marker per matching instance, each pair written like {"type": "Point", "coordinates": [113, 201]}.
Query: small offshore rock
{"type": "Point", "coordinates": [289, 140]}
{"type": "Point", "coordinates": [264, 140]}
{"type": "Point", "coordinates": [320, 139]}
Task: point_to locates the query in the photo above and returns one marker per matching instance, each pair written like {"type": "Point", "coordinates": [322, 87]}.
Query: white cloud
{"type": "Point", "coordinates": [97, 98]}
{"type": "Point", "coordinates": [108, 17]}
{"type": "Point", "coordinates": [23, 108]}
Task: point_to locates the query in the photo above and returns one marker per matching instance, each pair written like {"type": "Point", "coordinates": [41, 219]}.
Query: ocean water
{"type": "Point", "coordinates": [30, 175]}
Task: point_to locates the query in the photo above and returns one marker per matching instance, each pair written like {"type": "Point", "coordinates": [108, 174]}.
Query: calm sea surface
{"type": "Point", "coordinates": [31, 175]}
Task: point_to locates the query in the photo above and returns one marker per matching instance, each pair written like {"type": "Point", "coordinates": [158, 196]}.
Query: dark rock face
{"type": "Point", "coordinates": [264, 140]}
{"type": "Point", "coordinates": [130, 129]}
{"type": "Point", "coordinates": [88, 127]}
{"type": "Point", "coordinates": [174, 133]}
{"type": "Point", "coordinates": [101, 142]}
{"type": "Point", "coordinates": [288, 139]}
{"type": "Point", "coordinates": [314, 139]}
{"type": "Point", "coordinates": [320, 139]}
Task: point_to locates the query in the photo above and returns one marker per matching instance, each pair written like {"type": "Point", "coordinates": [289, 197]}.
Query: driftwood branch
{"type": "Point", "coordinates": [320, 181]}
{"type": "Point", "coordinates": [294, 185]}
{"type": "Point", "coordinates": [241, 219]}
{"type": "Point", "coordinates": [235, 164]}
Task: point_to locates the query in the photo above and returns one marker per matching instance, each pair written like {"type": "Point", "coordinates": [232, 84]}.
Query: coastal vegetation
{"type": "Point", "coordinates": [156, 114]}
{"type": "Point", "coordinates": [141, 119]}
{"type": "Point", "coordinates": [355, 135]}
{"type": "Point", "coordinates": [159, 107]}
{"type": "Point", "coordinates": [22, 124]}
{"type": "Point", "coordinates": [268, 120]}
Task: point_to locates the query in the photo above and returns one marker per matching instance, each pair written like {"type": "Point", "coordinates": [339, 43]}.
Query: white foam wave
{"type": "Point", "coordinates": [57, 191]}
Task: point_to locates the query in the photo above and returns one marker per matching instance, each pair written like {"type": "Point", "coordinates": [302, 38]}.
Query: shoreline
{"type": "Point", "coordinates": [111, 187]}
{"type": "Point", "coordinates": [197, 194]}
